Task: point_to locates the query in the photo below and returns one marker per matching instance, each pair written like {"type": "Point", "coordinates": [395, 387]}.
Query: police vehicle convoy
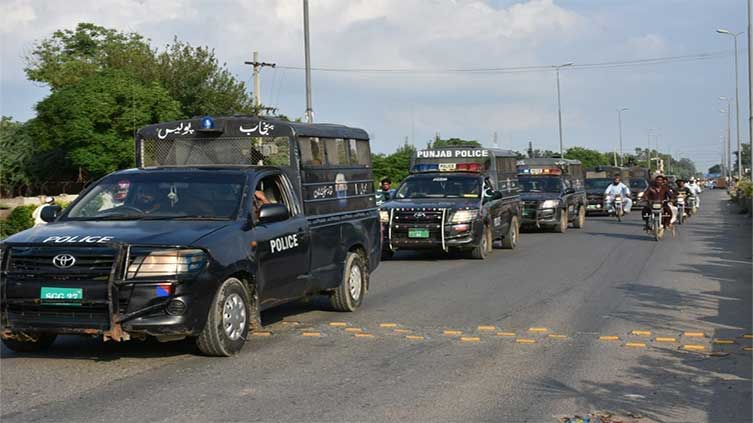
{"type": "Point", "coordinates": [596, 183]}
{"type": "Point", "coordinates": [455, 199]}
{"type": "Point", "coordinates": [222, 218]}
{"type": "Point", "coordinates": [552, 193]}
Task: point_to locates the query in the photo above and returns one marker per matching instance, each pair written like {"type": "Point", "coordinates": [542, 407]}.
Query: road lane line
{"type": "Point", "coordinates": [448, 332]}
{"type": "Point", "coordinates": [525, 341]}
{"type": "Point", "coordinates": [609, 338]}
{"type": "Point", "coordinates": [635, 345]}
{"type": "Point", "coordinates": [364, 335]}
{"type": "Point", "coordinates": [312, 334]}
{"type": "Point", "coordinates": [723, 341]}
{"type": "Point", "coordinates": [693, 347]}
{"type": "Point", "coordinates": [415, 337]}
{"type": "Point", "coordinates": [353, 330]}
{"type": "Point", "coordinates": [261, 333]}
{"type": "Point", "coordinates": [538, 330]}
{"type": "Point", "coordinates": [694, 334]}
{"type": "Point", "coordinates": [486, 328]}
{"type": "Point", "coordinates": [338, 324]}
{"type": "Point", "coordinates": [470, 339]}
{"type": "Point", "coordinates": [665, 339]}
{"type": "Point", "coordinates": [505, 333]}
{"type": "Point", "coordinates": [388, 325]}
{"type": "Point", "coordinates": [402, 331]}
{"type": "Point", "coordinates": [641, 333]}
{"type": "Point", "coordinates": [555, 336]}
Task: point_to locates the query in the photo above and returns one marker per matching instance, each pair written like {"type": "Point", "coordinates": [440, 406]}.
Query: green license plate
{"type": "Point", "coordinates": [418, 233]}
{"type": "Point", "coordinates": [48, 293]}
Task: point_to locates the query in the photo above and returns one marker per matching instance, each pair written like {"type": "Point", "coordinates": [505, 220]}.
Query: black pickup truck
{"type": "Point", "coordinates": [222, 219]}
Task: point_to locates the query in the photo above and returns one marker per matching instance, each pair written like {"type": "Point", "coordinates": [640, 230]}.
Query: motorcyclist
{"type": "Point", "coordinates": [684, 190]}
{"type": "Point", "coordinates": [618, 188]}
{"type": "Point", "coordinates": [696, 188]}
{"type": "Point", "coordinates": [658, 191]}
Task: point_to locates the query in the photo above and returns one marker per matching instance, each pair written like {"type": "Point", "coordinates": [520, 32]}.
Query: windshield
{"type": "Point", "coordinates": [638, 183]}
{"type": "Point", "coordinates": [600, 183]}
{"type": "Point", "coordinates": [440, 186]}
{"type": "Point", "coordinates": [539, 184]}
{"type": "Point", "coordinates": [162, 195]}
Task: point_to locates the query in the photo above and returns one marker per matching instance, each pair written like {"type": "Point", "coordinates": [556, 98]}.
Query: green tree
{"type": "Point", "coordinates": [452, 142]}
{"type": "Point", "coordinates": [18, 149]}
{"type": "Point", "coordinates": [589, 158]}
{"type": "Point", "coordinates": [94, 120]}
{"type": "Point", "coordinates": [394, 166]}
{"type": "Point", "coordinates": [745, 159]}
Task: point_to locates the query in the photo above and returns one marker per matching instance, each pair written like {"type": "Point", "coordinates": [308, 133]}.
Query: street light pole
{"type": "Point", "coordinates": [750, 85]}
{"type": "Point", "coordinates": [559, 105]}
{"type": "Point", "coordinates": [737, 100]}
{"type": "Point", "coordinates": [728, 150]}
{"type": "Point", "coordinates": [307, 56]}
{"type": "Point", "coordinates": [619, 124]}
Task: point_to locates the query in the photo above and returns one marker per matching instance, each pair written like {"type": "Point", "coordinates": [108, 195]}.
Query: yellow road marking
{"type": "Point", "coordinates": [261, 333]}
{"type": "Point", "coordinates": [635, 344]}
{"type": "Point", "coordinates": [525, 341]}
{"type": "Point", "coordinates": [609, 338]}
{"type": "Point", "coordinates": [448, 332]}
{"type": "Point", "coordinates": [694, 334]}
{"type": "Point", "coordinates": [551, 335]}
{"type": "Point", "coordinates": [665, 339]}
{"type": "Point", "coordinates": [338, 324]}
{"type": "Point", "coordinates": [388, 325]}
{"type": "Point", "coordinates": [402, 331]}
{"type": "Point", "coordinates": [313, 334]}
{"type": "Point", "coordinates": [291, 323]}
{"type": "Point", "coordinates": [364, 335]}
{"type": "Point", "coordinates": [470, 339]}
{"type": "Point", "coordinates": [693, 347]}
{"type": "Point", "coordinates": [505, 333]}
{"type": "Point", "coordinates": [724, 341]}
{"type": "Point", "coordinates": [353, 330]}
{"type": "Point", "coordinates": [748, 336]}
{"type": "Point", "coordinates": [540, 330]}
{"type": "Point", "coordinates": [641, 332]}
{"type": "Point", "coordinates": [747, 348]}
{"type": "Point", "coordinates": [414, 337]}
{"type": "Point", "coordinates": [485, 328]}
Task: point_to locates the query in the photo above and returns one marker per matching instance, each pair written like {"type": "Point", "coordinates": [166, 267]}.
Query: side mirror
{"type": "Point", "coordinates": [50, 213]}
{"type": "Point", "coordinates": [269, 213]}
{"type": "Point", "coordinates": [570, 191]}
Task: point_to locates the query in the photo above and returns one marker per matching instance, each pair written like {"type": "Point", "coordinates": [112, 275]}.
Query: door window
{"type": "Point", "coordinates": [272, 190]}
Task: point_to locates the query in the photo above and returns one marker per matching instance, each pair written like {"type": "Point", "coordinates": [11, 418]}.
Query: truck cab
{"type": "Point", "coordinates": [552, 193]}
{"type": "Point", "coordinates": [220, 221]}
{"type": "Point", "coordinates": [455, 199]}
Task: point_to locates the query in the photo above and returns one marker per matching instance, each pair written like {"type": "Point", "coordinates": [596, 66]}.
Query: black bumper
{"type": "Point", "coordinates": [398, 238]}
{"type": "Point", "coordinates": [540, 217]}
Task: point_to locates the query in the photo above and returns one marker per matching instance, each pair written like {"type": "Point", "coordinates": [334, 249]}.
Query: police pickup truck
{"type": "Point", "coordinates": [455, 199]}
{"type": "Point", "coordinates": [552, 193]}
{"type": "Point", "coordinates": [222, 219]}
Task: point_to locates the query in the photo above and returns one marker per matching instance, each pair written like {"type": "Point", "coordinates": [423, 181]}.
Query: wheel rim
{"type": "Point", "coordinates": [582, 217]}
{"type": "Point", "coordinates": [234, 316]}
{"type": "Point", "coordinates": [355, 282]}
{"type": "Point", "coordinates": [514, 235]}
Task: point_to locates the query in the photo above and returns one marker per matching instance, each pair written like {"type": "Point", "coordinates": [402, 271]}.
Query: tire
{"type": "Point", "coordinates": [349, 295]}
{"type": "Point", "coordinates": [562, 227]}
{"type": "Point", "coordinates": [228, 321]}
{"type": "Point", "coordinates": [510, 241]}
{"type": "Point", "coordinates": [680, 215]}
{"type": "Point", "coordinates": [481, 251]}
{"type": "Point", "coordinates": [580, 220]}
{"type": "Point", "coordinates": [619, 215]}
{"type": "Point", "coordinates": [39, 342]}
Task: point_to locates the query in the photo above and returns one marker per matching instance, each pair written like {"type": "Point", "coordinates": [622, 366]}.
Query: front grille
{"type": "Point", "coordinates": [595, 198]}
{"type": "Point", "coordinates": [405, 219]}
{"type": "Point", "coordinates": [37, 263]}
{"type": "Point", "coordinates": [418, 216]}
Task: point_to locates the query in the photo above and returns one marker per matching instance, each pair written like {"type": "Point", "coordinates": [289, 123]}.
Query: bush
{"type": "Point", "coordinates": [18, 220]}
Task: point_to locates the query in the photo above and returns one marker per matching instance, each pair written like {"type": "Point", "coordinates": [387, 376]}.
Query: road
{"type": "Point", "coordinates": [575, 290]}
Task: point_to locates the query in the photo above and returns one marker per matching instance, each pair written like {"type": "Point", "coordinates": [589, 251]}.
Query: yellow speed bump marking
{"type": "Point", "coordinates": [338, 324]}
{"type": "Point", "coordinates": [609, 338]}
{"type": "Point", "coordinates": [525, 341]}
{"type": "Point", "coordinates": [505, 333]}
{"type": "Point", "coordinates": [364, 335]}
{"type": "Point", "coordinates": [538, 330]}
{"type": "Point", "coordinates": [693, 347]}
{"type": "Point", "coordinates": [748, 336]}
{"type": "Point", "coordinates": [291, 322]}
{"type": "Point", "coordinates": [402, 331]}
{"type": "Point", "coordinates": [470, 339]}
{"type": "Point", "coordinates": [641, 333]}
{"type": "Point", "coordinates": [414, 337]}
{"type": "Point", "coordinates": [694, 334]}
{"type": "Point", "coordinates": [353, 330]}
{"type": "Point", "coordinates": [665, 339]}
{"type": "Point", "coordinates": [388, 325]}
{"type": "Point", "coordinates": [261, 333]}
{"type": "Point", "coordinates": [554, 336]}
{"type": "Point", "coordinates": [723, 341]}
{"type": "Point", "coordinates": [312, 334]}
{"type": "Point", "coordinates": [747, 348]}
{"type": "Point", "coordinates": [486, 328]}
{"type": "Point", "coordinates": [448, 332]}
{"type": "Point", "coordinates": [635, 344]}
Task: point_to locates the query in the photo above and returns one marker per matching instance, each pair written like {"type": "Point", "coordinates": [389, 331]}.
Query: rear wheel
{"type": "Point", "coordinates": [580, 220]}
{"type": "Point", "coordinates": [510, 241]}
{"type": "Point", "coordinates": [228, 321]}
{"type": "Point", "coordinates": [33, 343]}
{"type": "Point", "coordinates": [562, 227]}
{"type": "Point", "coordinates": [349, 295]}
{"type": "Point", "coordinates": [480, 251]}
{"type": "Point", "coordinates": [680, 215]}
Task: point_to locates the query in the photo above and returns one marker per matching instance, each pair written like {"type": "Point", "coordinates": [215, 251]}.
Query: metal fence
{"type": "Point", "coordinates": [269, 151]}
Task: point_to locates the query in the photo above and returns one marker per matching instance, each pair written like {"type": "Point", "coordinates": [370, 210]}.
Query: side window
{"type": "Point", "coordinates": [271, 190]}
{"type": "Point", "coordinates": [336, 152]}
{"type": "Point", "coordinates": [312, 151]}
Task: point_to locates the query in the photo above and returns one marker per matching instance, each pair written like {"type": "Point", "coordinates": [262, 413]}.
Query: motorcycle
{"type": "Point", "coordinates": [680, 203]}
{"type": "Point", "coordinates": [692, 205]}
{"type": "Point", "coordinates": [654, 224]}
{"type": "Point", "coordinates": [614, 205]}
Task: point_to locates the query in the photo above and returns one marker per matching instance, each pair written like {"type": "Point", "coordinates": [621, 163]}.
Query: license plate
{"type": "Point", "coordinates": [591, 206]}
{"type": "Point", "coordinates": [418, 233]}
{"type": "Point", "coordinates": [53, 293]}
{"type": "Point", "coordinates": [656, 206]}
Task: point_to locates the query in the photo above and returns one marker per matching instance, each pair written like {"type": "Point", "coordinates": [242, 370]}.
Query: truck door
{"type": "Point", "coordinates": [282, 248]}
{"type": "Point", "coordinates": [499, 214]}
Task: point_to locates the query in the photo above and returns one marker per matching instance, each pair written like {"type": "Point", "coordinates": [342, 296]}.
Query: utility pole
{"type": "Point", "coordinates": [494, 142]}
{"type": "Point", "coordinates": [257, 77]}
{"type": "Point", "coordinates": [619, 124]}
{"type": "Point", "coordinates": [530, 149]}
{"type": "Point", "coordinates": [734, 36]}
{"type": "Point", "coordinates": [728, 148]}
{"type": "Point", "coordinates": [307, 54]}
{"type": "Point", "coordinates": [750, 86]}
{"type": "Point", "coordinates": [559, 105]}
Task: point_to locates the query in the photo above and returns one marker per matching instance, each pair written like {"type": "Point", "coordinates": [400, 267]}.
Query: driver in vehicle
{"type": "Point", "coordinates": [146, 199]}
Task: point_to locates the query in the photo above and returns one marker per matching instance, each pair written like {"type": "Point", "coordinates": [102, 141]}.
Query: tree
{"type": "Point", "coordinates": [94, 120]}
{"type": "Point", "coordinates": [745, 159]}
{"type": "Point", "coordinates": [394, 166]}
{"type": "Point", "coordinates": [588, 158]}
{"type": "Point", "coordinates": [16, 167]}
{"type": "Point", "coordinates": [452, 142]}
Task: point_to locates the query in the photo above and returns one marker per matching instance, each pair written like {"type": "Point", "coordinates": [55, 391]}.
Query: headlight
{"type": "Point", "coordinates": [164, 263]}
{"type": "Point", "coordinates": [550, 204]}
{"type": "Point", "coordinates": [462, 216]}
{"type": "Point", "coordinates": [384, 216]}
{"type": "Point", "coordinates": [640, 195]}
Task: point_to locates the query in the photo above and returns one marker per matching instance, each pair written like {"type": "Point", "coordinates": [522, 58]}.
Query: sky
{"type": "Point", "coordinates": [407, 53]}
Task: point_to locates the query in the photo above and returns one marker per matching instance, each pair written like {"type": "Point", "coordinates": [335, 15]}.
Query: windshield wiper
{"type": "Point", "coordinates": [198, 217]}
{"type": "Point", "coordinates": [115, 217]}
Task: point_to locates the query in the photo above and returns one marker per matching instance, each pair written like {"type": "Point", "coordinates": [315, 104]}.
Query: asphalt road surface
{"type": "Point", "coordinates": [547, 333]}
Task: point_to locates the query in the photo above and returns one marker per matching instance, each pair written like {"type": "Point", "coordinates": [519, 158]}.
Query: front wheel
{"type": "Point", "coordinates": [580, 220]}
{"type": "Point", "coordinates": [510, 241]}
{"type": "Point", "coordinates": [32, 343]}
{"type": "Point", "coordinates": [481, 251]}
{"type": "Point", "coordinates": [619, 214]}
{"type": "Point", "coordinates": [349, 295]}
{"type": "Point", "coordinates": [680, 215]}
{"type": "Point", "coordinates": [228, 321]}
{"type": "Point", "coordinates": [658, 231]}
{"type": "Point", "coordinates": [562, 226]}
